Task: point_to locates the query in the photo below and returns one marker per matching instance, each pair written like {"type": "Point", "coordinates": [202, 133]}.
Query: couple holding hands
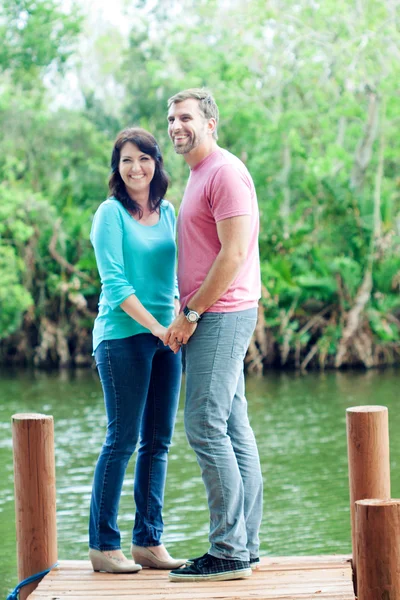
{"type": "Point", "coordinates": [147, 318]}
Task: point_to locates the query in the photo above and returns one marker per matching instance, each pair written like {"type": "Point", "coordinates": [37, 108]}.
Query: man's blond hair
{"type": "Point", "coordinates": [207, 105]}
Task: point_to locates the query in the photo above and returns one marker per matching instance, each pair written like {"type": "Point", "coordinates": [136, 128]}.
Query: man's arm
{"type": "Point", "coordinates": [234, 236]}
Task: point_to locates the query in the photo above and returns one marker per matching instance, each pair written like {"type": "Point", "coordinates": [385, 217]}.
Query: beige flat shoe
{"type": "Point", "coordinates": [148, 559]}
{"type": "Point", "coordinates": [101, 562]}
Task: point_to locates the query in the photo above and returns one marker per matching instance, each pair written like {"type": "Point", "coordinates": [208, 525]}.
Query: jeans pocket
{"type": "Point", "coordinates": [244, 329]}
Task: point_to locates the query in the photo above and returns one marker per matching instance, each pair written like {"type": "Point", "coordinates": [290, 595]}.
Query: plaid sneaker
{"type": "Point", "coordinates": [254, 562]}
{"type": "Point", "coordinates": [210, 568]}
{"type": "Point", "coordinates": [190, 561]}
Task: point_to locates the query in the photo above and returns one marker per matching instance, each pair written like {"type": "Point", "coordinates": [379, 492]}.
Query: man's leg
{"type": "Point", "coordinates": [214, 364]}
{"type": "Point", "coordinates": [245, 448]}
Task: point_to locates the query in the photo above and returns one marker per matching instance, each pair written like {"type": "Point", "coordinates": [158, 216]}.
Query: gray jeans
{"type": "Point", "coordinates": [218, 430]}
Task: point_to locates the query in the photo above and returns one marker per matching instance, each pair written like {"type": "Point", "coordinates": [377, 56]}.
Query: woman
{"type": "Point", "coordinates": [133, 235]}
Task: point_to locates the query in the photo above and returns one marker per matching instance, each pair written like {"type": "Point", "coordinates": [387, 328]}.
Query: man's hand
{"type": "Point", "coordinates": [179, 332]}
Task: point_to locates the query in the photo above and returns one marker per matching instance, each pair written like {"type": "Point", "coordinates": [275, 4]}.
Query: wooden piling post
{"type": "Point", "coordinates": [35, 495]}
{"type": "Point", "coordinates": [368, 456]}
{"type": "Point", "coordinates": [378, 549]}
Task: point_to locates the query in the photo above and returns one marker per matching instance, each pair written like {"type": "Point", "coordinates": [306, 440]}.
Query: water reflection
{"type": "Point", "coordinates": [299, 422]}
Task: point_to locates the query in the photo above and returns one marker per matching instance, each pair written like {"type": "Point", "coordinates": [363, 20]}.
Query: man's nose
{"type": "Point", "coordinates": [176, 125]}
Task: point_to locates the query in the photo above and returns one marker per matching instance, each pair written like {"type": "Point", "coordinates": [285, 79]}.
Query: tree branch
{"type": "Point", "coordinates": [60, 259]}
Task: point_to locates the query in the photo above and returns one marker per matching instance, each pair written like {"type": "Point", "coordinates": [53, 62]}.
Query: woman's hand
{"type": "Point", "coordinates": [159, 331]}
{"type": "Point", "coordinates": [175, 346]}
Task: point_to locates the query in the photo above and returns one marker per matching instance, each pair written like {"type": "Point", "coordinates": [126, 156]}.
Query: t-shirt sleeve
{"type": "Point", "coordinates": [230, 194]}
{"type": "Point", "coordinates": [107, 237]}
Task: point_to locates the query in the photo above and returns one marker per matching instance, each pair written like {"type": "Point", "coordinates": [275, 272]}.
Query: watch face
{"type": "Point", "coordinates": [192, 317]}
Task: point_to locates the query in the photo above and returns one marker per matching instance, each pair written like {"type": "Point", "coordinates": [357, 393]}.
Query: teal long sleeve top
{"type": "Point", "coordinates": [133, 259]}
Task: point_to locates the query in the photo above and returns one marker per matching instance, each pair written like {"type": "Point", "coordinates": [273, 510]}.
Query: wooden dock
{"type": "Point", "coordinates": [283, 578]}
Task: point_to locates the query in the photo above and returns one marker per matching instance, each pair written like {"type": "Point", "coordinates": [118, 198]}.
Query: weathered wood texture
{"type": "Point", "coordinates": [378, 549]}
{"type": "Point", "coordinates": [35, 495]}
{"type": "Point", "coordinates": [286, 578]}
{"type": "Point", "coordinates": [368, 454]}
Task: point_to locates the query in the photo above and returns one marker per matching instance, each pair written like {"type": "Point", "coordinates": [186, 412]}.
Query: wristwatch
{"type": "Point", "coordinates": [191, 315]}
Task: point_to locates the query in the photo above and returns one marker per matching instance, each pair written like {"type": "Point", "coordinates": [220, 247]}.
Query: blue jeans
{"type": "Point", "coordinates": [218, 430]}
{"type": "Point", "coordinates": [141, 380]}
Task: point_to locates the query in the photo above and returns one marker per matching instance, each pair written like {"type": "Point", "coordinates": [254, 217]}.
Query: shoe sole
{"type": "Point", "coordinates": [225, 576]}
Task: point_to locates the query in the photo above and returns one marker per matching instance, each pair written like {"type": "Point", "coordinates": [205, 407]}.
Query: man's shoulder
{"type": "Point", "coordinates": [222, 157]}
{"type": "Point", "coordinates": [228, 166]}
{"type": "Point", "coordinates": [227, 162]}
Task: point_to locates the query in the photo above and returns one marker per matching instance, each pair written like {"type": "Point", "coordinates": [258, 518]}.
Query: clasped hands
{"type": "Point", "coordinates": [176, 334]}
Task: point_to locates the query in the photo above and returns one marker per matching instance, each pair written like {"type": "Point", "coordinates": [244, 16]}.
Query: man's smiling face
{"type": "Point", "coordinates": [187, 126]}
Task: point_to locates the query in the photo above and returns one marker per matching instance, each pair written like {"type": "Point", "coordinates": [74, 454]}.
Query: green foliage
{"type": "Point", "coordinates": [35, 34]}
{"type": "Point", "coordinates": [387, 332]}
{"type": "Point", "coordinates": [14, 298]}
{"type": "Point", "coordinates": [297, 85]}
{"type": "Point", "coordinates": [329, 340]}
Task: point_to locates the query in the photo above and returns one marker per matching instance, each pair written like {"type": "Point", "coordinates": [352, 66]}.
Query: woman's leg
{"type": "Point", "coordinates": [125, 369]}
{"type": "Point", "coordinates": [155, 438]}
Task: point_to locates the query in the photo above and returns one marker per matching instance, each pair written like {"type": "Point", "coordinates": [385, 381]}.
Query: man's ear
{"type": "Point", "coordinates": [211, 125]}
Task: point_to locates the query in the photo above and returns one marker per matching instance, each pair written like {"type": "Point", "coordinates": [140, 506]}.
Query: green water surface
{"type": "Point", "coordinates": [299, 423]}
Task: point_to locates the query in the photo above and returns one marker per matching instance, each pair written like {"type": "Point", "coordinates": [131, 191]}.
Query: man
{"type": "Point", "coordinates": [219, 281]}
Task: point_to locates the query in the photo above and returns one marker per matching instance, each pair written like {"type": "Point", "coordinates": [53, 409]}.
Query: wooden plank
{"type": "Point", "coordinates": [337, 595]}
{"type": "Point", "coordinates": [212, 592]}
{"type": "Point", "coordinates": [187, 593]}
{"type": "Point", "coordinates": [203, 594]}
{"type": "Point", "coordinates": [312, 562]}
{"type": "Point", "coordinates": [66, 570]}
{"type": "Point", "coordinates": [299, 578]}
{"type": "Point", "coordinates": [278, 578]}
{"type": "Point", "coordinates": [162, 576]}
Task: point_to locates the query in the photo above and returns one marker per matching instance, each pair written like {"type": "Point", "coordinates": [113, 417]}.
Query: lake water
{"type": "Point", "coordinates": [299, 422]}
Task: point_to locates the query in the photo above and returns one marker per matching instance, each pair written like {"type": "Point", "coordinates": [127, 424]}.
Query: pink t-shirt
{"type": "Point", "coordinates": [219, 187]}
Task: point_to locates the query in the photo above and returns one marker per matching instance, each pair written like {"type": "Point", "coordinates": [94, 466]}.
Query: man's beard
{"type": "Point", "coordinates": [191, 144]}
{"type": "Point", "coordinates": [185, 148]}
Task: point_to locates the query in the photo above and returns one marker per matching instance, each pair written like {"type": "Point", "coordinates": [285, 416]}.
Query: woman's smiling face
{"type": "Point", "coordinates": [136, 169]}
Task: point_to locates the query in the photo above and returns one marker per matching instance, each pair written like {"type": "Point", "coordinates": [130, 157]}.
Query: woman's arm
{"type": "Point", "coordinates": [106, 237]}
{"type": "Point", "coordinates": [135, 309]}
